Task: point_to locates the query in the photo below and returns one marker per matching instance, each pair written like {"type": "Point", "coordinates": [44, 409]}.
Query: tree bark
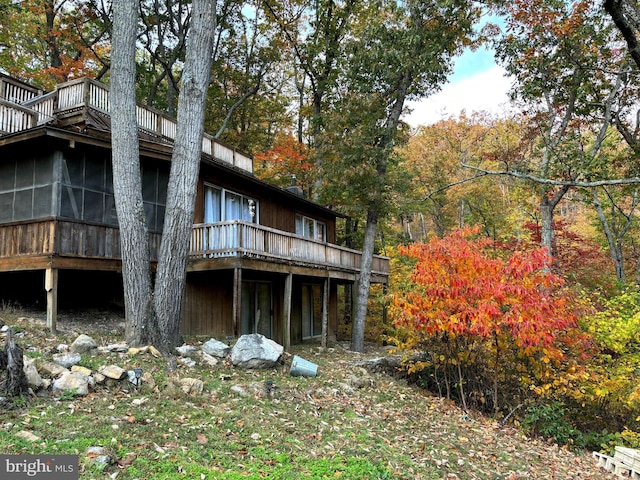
{"type": "Point", "coordinates": [185, 167]}
{"type": "Point", "coordinates": [627, 23]}
{"type": "Point", "coordinates": [364, 282]}
{"type": "Point", "coordinates": [547, 206]}
{"type": "Point", "coordinates": [15, 383]}
{"type": "Point", "coordinates": [127, 184]}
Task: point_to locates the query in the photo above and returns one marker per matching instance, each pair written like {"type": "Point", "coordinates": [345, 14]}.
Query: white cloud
{"type": "Point", "coordinates": [486, 91]}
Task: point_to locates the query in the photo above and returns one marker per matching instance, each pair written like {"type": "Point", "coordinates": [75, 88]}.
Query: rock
{"type": "Point", "coordinates": [191, 386]}
{"type": "Point", "coordinates": [148, 381]}
{"type": "Point", "coordinates": [83, 344]}
{"type": "Point", "coordinates": [66, 360]}
{"type": "Point", "coordinates": [361, 379]}
{"type": "Point", "coordinates": [136, 350]}
{"type": "Point", "coordinates": [50, 369]}
{"type": "Point", "coordinates": [117, 347]}
{"type": "Point", "coordinates": [99, 456]}
{"type": "Point", "coordinates": [34, 380]}
{"type": "Point", "coordinates": [208, 359]}
{"type": "Point", "coordinates": [239, 390]}
{"type": "Point", "coordinates": [154, 351]}
{"type": "Point", "coordinates": [28, 436]}
{"type": "Point", "coordinates": [63, 347]}
{"type": "Point", "coordinates": [84, 370]}
{"type": "Point", "coordinates": [186, 350]}
{"type": "Point", "coordinates": [255, 351]}
{"type": "Point", "coordinates": [72, 382]}
{"type": "Point", "coordinates": [99, 378]}
{"type": "Point", "coordinates": [4, 328]}
{"type": "Point", "coordinates": [216, 348]}
{"type": "Point", "coordinates": [189, 362]}
{"type": "Point", "coordinates": [113, 371]}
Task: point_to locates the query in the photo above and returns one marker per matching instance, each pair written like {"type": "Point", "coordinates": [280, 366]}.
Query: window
{"type": "Point", "coordinates": [257, 309]}
{"type": "Point", "coordinates": [221, 205]}
{"type": "Point", "coordinates": [87, 190]}
{"type": "Point", "coordinates": [310, 228]}
{"type": "Point", "coordinates": [26, 189]}
{"type": "Point", "coordinates": [311, 311]}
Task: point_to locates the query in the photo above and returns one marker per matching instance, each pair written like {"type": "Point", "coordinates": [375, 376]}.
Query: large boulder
{"type": "Point", "coordinates": [255, 351]}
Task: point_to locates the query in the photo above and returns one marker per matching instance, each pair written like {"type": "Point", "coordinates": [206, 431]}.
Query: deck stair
{"type": "Point", "coordinates": [625, 463]}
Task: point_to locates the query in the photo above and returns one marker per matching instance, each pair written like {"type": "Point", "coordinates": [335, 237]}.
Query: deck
{"type": "Point", "coordinates": [248, 240]}
{"type": "Point", "coordinates": [22, 108]}
{"type": "Point", "coordinates": [23, 245]}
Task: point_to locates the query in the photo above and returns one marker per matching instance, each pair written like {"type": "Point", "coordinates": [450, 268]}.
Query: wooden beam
{"type": "Point", "coordinates": [236, 309]}
{"type": "Point", "coordinates": [51, 287]}
{"type": "Point", "coordinates": [325, 313]}
{"type": "Point", "coordinates": [286, 314]}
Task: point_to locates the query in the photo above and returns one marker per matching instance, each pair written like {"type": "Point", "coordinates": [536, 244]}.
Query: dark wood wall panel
{"type": "Point", "coordinates": [26, 239]}
{"type": "Point", "coordinates": [207, 308]}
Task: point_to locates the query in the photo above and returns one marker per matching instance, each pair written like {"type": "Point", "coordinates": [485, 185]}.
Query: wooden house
{"type": "Point", "coordinates": [263, 259]}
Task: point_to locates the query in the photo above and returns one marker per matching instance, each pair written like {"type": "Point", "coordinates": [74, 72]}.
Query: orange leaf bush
{"type": "Point", "coordinates": [486, 320]}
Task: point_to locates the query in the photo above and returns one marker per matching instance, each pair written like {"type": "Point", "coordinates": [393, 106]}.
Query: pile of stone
{"type": "Point", "coordinates": [64, 376]}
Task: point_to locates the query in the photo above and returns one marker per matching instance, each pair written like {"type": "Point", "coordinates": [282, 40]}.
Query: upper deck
{"type": "Point", "coordinates": [23, 107]}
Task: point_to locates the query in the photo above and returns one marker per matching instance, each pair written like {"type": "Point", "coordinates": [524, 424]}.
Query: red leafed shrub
{"type": "Point", "coordinates": [484, 321]}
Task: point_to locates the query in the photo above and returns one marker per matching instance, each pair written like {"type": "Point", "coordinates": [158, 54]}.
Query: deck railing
{"type": "Point", "coordinates": [238, 238]}
{"type": "Point", "coordinates": [22, 108]}
{"type": "Point", "coordinates": [87, 93]}
{"type": "Point", "coordinates": [14, 118]}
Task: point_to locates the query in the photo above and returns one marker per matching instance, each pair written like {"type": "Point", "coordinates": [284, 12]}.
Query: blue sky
{"type": "Point", "coordinates": [476, 84]}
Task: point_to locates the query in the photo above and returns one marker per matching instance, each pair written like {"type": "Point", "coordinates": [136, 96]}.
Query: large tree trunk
{"type": "Point", "coordinates": [185, 166]}
{"type": "Point", "coordinates": [127, 184]}
{"type": "Point", "coordinates": [364, 282]}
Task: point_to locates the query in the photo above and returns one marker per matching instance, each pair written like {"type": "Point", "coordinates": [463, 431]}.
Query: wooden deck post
{"type": "Point", "coordinates": [236, 310]}
{"type": "Point", "coordinates": [325, 313]}
{"type": "Point", "coordinates": [288, 286]}
{"type": "Point", "coordinates": [51, 287]}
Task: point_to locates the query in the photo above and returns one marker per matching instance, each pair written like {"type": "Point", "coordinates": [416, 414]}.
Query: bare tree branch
{"type": "Point", "coordinates": [550, 181]}
{"type": "Point", "coordinates": [453, 184]}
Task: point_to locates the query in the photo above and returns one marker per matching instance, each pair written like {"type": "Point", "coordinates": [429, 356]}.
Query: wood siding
{"type": "Point", "coordinates": [206, 309]}
{"type": "Point", "coordinates": [33, 238]}
{"type": "Point", "coordinates": [274, 211]}
{"type": "Point", "coordinates": [60, 237]}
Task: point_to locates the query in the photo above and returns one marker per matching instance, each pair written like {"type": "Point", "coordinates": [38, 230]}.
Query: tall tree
{"type": "Point", "coordinates": [626, 16]}
{"type": "Point", "coordinates": [153, 314]}
{"type": "Point", "coordinates": [398, 51]}
{"type": "Point", "coordinates": [568, 87]}
{"type": "Point", "coordinates": [127, 182]}
{"type": "Point", "coordinates": [51, 41]}
{"type": "Point", "coordinates": [316, 31]}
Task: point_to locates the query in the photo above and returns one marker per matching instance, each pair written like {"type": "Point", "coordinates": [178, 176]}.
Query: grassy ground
{"type": "Point", "coordinates": [345, 423]}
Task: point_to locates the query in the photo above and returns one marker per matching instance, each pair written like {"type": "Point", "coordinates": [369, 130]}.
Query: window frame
{"type": "Point", "coordinates": [318, 226]}
{"type": "Point", "coordinates": [222, 205]}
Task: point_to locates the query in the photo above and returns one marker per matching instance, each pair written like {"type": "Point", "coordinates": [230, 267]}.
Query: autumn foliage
{"type": "Point", "coordinates": [287, 157]}
{"type": "Point", "coordinates": [486, 320]}
{"type": "Point", "coordinates": [465, 290]}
